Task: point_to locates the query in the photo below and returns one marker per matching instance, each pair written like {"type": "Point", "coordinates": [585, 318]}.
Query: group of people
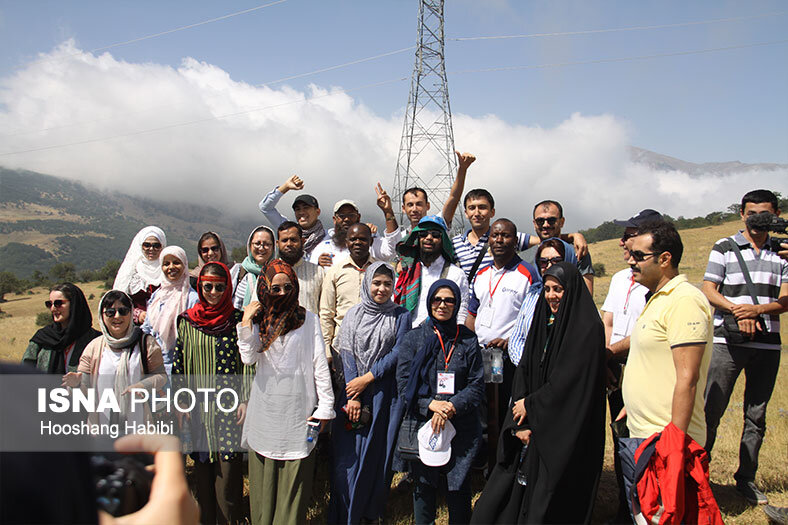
{"type": "Point", "coordinates": [386, 336]}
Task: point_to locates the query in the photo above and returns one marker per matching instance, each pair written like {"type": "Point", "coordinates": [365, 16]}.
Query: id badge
{"type": "Point", "coordinates": [486, 315]}
{"type": "Point", "coordinates": [446, 383]}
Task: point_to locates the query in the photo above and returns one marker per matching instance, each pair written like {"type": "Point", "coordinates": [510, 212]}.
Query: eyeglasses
{"type": "Point", "coordinates": [210, 287]}
{"type": "Point", "coordinates": [345, 216]}
{"type": "Point", "coordinates": [639, 256]}
{"type": "Point", "coordinates": [123, 311]}
{"type": "Point", "coordinates": [275, 288]}
{"type": "Point", "coordinates": [151, 245]}
{"type": "Point", "coordinates": [544, 261]}
{"type": "Point", "coordinates": [627, 236]}
{"type": "Point", "coordinates": [549, 220]}
{"type": "Point", "coordinates": [58, 303]}
{"type": "Point", "coordinates": [435, 234]}
{"type": "Point", "coordinates": [262, 244]}
{"type": "Point", "coordinates": [206, 249]}
{"type": "Point", "coordinates": [450, 301]}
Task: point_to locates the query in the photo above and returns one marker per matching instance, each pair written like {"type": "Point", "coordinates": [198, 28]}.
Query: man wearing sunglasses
{"type": "Point", "coordinates": [670, 350]}
{"type": "Point", "coordinates": [625, 299]}
{"type": "Point", "coordinates": [333, 248]}
{"type": "Point", "coordinates": [427, 255]}
{"type": "Point", "coordinates": [754, 345]}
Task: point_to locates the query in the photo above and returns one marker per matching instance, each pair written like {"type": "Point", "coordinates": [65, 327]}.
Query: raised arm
{"type": "Point", "coordinates": [464, 160]}
{"type": "Point", "coordinates": [268, 204]}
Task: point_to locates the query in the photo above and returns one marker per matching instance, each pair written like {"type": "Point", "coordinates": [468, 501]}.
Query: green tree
{"type": "Point", "coordinates": [239, 253]}
{"type": "Point", "coordinates": [63, 272]}
{"type": "Point", "coordinates": [8, 283]}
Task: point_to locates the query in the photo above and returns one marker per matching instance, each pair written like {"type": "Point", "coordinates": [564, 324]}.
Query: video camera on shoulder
{"type": "Point", "coordinates": [768, 222]}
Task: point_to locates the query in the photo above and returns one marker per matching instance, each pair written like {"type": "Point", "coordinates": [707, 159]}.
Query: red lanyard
{"type": "Point", "coordinates": [629, 292]}
{"type": "Point", "coordinates": [489, 284]}
{"type": "Point", "coordinates": [447, 358]}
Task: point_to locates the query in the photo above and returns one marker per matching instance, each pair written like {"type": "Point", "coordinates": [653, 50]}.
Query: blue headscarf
{"type": "Point", "coordinates": [424, 361]}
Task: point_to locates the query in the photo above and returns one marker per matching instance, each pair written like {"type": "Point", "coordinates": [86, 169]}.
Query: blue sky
{"type": "Point", "coordinates": [114, 117]}
{"type": "Point", "coordinates": [727, 105]}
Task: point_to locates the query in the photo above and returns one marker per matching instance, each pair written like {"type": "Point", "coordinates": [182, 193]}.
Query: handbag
{"type": "Point", "coordinates": [730, 326]}
{"type": "Point", "coordinates": [408, 439]}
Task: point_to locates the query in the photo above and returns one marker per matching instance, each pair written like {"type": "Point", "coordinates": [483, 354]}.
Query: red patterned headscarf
{"type": "Point", "coordinates": [280, 313]}
{"type": "Point", "coordinates": [213, 319]}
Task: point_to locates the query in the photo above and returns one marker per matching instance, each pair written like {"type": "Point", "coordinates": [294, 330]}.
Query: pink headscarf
{"type": "Point", "coordinates": [169, 301]}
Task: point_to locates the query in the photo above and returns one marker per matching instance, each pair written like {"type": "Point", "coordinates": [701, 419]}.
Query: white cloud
{"type": "Point", "coordinates": [339, 146]}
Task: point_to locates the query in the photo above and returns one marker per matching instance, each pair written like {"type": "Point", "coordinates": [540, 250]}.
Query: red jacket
{"type": "Point", "coordinates": [672, 481]}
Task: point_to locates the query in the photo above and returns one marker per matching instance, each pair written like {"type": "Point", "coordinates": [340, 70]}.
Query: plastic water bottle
{"type": "Point", "coordinates": [312, 431]}
{"type": "Point", "coordinates": [496, 365]}
{"type": "Point", "coordinates": [521, 479]}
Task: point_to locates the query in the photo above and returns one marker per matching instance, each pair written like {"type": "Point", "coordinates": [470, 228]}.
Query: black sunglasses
{"type": "Point", "coordinates": [149, 245]}
{"type": "Point", "coordinates": [627, 236]}
{"type": "Point", "coordinates": [451, 301]}
{"type": "Point", "coordinates": [206, 249]}
{"type": "Point", "coordinates": [209, 287]}
{"type": "Point", "coordinates": [58, 303]}
{"type": "Point", "coordinates": [639, 256]}
{"type": "Point", "coordinates": [549, 220]}
{"type": "Point", "coordinates": [275, 288]}
{"type": "Point", "coordinates": [123, 311]}
{"type": "Point", "coordinates": [544, 261]}
{"type": "Point", "coordinates": [436, 234]}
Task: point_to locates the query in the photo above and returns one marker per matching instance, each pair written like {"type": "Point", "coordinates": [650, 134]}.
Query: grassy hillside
{"type": "Point", "coordinates": [45, 220]}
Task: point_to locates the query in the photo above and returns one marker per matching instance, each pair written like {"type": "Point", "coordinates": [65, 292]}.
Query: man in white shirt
{"type": "Point", "coordinates": [625, 300]}
{"type": "Point", "coordinates": [290, 241]}
{"type": "Point", "coordinates": [427, 256]}
{"type": "Point", "coordinates": [346, 213]}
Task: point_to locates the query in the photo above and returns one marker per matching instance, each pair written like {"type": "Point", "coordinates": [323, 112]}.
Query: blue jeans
{"type": "Point", "coordinates": [425, 498]}
{"type": "Point", "coordinates": [626, 453]}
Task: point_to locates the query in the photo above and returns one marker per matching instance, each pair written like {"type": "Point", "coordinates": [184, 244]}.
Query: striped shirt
{"type": "Point", "coordinates": [468, 252]}
{"type": "Point", "coordinates": [523, 323]}
{"type": "Point", "coordinates": [767, 271]}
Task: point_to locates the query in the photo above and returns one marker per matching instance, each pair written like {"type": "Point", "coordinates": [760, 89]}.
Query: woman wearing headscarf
{"type": "Point", "coordinates": [56, 348]}
{"type": "Point", "coordinates": [260, 248]}
{"type": "Point", "coordinates": [206, 356]}
{"type": "Point", "coordinates": [211, 248]}
{"type": "Point", "coordinates": [553, 439]}
{"type": "Point", "coordinates": [291, 390]}
{"type": "Point", "coordinates": [441, 380]}
{"type": "Point", "coordinates": [168, 302]}
{"type": "Point", "coordinates": [364, 441]}
{"type": "Point", "coordinates": [549, 252]}
{"type": "Point", "coordinates": [120, 359]}
{"type": "Point", "coordinates": [140, 274]}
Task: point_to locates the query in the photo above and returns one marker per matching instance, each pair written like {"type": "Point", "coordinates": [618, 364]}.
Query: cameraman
{"type": "Point", "coordinates": [746, 332]}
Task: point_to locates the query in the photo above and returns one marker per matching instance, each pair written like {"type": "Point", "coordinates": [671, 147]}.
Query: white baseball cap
{"type": "Point", "coordinates": [435, 449]}
{"type": "Point", "coordinates": [344, 202]}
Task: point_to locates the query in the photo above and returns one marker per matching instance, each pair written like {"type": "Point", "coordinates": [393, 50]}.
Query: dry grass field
{"type": "Point", "coordinates": [16, 329]}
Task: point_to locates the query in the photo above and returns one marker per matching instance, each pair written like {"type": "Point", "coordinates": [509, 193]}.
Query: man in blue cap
{"type": "Point", "coordinates": [427, 255]}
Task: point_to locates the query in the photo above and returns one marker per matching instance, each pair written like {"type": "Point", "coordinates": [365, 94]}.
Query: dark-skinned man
{"type": "Point", "coordinates": [342, 284]}
{"type": "Point", "coordinates": [346, 213]}
{"type": "Point", "coordinates": [427, 255]}
{"type": "Point", "coordinates": [669, 354]}
{"type": "Point", "coordinates": [290, 242]}
{"type": "Point", "coordinates": [497, 293]}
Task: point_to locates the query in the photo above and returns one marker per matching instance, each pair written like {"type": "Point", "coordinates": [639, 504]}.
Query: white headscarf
{"type": "Point", "coordinates": [170, 300]}
{"type": "Point", "coordinates": [136, 272]}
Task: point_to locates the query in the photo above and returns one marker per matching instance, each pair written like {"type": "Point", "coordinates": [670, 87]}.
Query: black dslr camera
{"type": "Point", "coordinates": [768, 222]}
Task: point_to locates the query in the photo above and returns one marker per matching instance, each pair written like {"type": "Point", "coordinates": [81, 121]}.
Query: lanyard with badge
{"type": "Point", "coordinates": [445, 383]}
{"type": "Point", "coordinates": [486, 315]}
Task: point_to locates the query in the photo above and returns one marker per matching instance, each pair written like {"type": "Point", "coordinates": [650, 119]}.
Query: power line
{"type": "Point", "coordinates": [619, 29]}
{"type": "Point", "coordinates": [169, 31]}
{"type": "Point", "coordinates": [619, 59]}
{"type": "Point", "coordinates": [199, 121]}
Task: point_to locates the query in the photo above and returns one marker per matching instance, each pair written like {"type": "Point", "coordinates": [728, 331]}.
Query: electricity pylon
{"type": "Point", "coordinates": [426, 153]}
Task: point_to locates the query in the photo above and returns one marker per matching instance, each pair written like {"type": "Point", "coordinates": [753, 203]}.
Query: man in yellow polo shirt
{"type": "Point", "coordinates": [670, 346]}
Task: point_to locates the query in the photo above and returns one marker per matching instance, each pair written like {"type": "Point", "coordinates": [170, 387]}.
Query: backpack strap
{"type": "Point", "coordinates": [478, 261]}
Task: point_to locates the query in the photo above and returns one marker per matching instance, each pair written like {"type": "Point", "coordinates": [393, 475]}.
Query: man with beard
{"type": "Point", "coordinates": [342, 283]}
{"type": "Point", "coordinates": [427, 255]}
{"type": "Point", "coordinates": [310, 275]}
{"type": "Point", "coordinates": [333, 249]}
{"type": "Point", "coordinates": [305, 208]}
